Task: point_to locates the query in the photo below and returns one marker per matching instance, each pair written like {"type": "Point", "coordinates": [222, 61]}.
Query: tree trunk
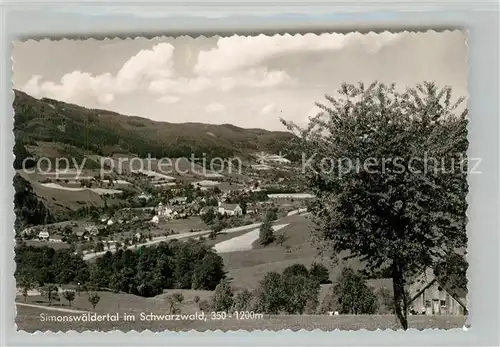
{"type": "Point", "coordinates": [400, 299]}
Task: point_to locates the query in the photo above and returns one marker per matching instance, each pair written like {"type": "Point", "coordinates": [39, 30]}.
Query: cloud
{"type": "Point", "coordinates": [236, 62]}
{"type": "Point", "coordinates": [151, 70]}
{"type": "Point", "coordinates": [237, 52]}
{"type": "Point", "coordinates": [133, 75]}
{"type": "Point", "coordinates": [215, 107]}
{"type": "Point", "coordinates": [268, 109]}
{"type": "Point", "coordinates": [105, 98]}
{"type": "Point", "coordinates": [168, 99]}
{"type": "Point", "coordinates": [253, 78]}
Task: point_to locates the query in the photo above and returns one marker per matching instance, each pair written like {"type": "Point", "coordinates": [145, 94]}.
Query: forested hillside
{"type": "Point", "coordinates": [104, 132]}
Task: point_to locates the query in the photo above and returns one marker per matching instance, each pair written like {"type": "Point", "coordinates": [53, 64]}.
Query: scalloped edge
{"type": "Point", "coordinates": [414, 32]}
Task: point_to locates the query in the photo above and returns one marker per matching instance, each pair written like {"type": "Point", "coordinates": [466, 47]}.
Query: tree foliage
{"type": "Point", "coordinates": [452, 271]}
{"type": "Point", "coordinates": [208, 272]}
{"type": "Point", "coordinates": [353, 295]}
{"type": "Point", "coordinates": [69, 295]}
{"type": "Point", "coordinates": [173, 265]}
{"type": "Point", "coordinates": [296, 270]}
{"type": "Point", "coordinates": [292, 291]}
{"type": "Point", "coordinates": [28, 207]}
{"type": "Point", "coordinates": [94, 299]}
{"type": "Point", "coordinates": [266, 234]}
{"type": "Point", "coordinates": [109, 132]}
{"type": "Point", "coordinates": [394, 188]}
{"type": "Point", "coordinates": [243, 301]}
{"type": "Point", "coordinates": [46, 265]}
{"type": "Point", "coordinates": [174, 301]}
{"type": "Point", "coordinates": [26, 285]}
{"type": "Point", "coordinates": [320, 272]}
{"type": "Point", "coordinates": [223, 297]}
{"type": "Point", "coordinates": [50, 291]}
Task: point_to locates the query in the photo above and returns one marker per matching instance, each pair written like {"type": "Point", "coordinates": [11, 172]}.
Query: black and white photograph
{"type": "Point", "coordinates": [259, 182]}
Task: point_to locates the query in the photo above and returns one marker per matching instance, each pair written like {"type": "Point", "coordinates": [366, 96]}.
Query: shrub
{"type": "Point", "coordinates": [353, 295]}
{"type": "Point", "coordinates": [174, 301]}
{"type": "Point", "coordinates": [296, 270]}
{"type": "Point", "coordinates": [223, 297]}
{"type": "Point", "coordinates": [266, 235]}
{"type": "Point", "coordinates": [320, 273]}
{"type": "Point", "coordinates": [94, 299]}
{"type": "Point", "coordinates": [243, 301]}
{"type": "Point", "coordinates": [69, 295]}
{"type": "Point", "coordinates": [204, 306]}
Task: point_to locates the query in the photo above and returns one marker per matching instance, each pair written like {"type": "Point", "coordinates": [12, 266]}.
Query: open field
{"type": "Point", "coordinates": [55, 245]}
{"type": "Point", "coordinates": [29, 319]}
{"type": "Point", "coordinates": [100, 191]}
{"type": "Point", "coordinates": [243, 242]}
{"type": "Point", "coordinates": [179, 225]}
{"type": "Point", "coordinates": [122, 302]}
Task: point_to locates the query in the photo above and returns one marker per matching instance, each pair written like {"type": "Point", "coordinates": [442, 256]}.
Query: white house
{"type": "Point", "coordinates": [92, 230]}
{"type": "Point", "coordinates": [230, 209]}
{"type": "Point", "coordinates": [144, 196]}
{"type": "Point", "coordinates": [430, 297]}
{"type": "Point", "coordinates": [276, 159]}
{"type": "Point", "coordinates": [181, 200]}
{"type": "Point", "coordinates": [163, 210]}
{"type": "Point", "coordinates": [110, 222]}
{"type": "Point", "coordinates": [44, 235]}
{"type": "Point", "coordinates": [155, 220]}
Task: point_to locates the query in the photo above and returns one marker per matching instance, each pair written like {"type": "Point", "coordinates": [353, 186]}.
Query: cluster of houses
{"type": "Point", "coordinates": [172, 211]}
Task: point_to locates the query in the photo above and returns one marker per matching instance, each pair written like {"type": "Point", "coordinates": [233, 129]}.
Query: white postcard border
{"type": "Point", "coordinates": [110, 19]}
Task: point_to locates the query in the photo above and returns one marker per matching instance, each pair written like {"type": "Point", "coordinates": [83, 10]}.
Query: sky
{"type": "Point", "coordinates": [248, 81]}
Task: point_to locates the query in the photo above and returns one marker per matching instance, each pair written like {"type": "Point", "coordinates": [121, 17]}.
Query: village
{"type": "Point", "coordinates": [140, 205]}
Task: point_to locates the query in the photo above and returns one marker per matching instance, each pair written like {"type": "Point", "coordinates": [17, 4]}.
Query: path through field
{"type": "Point", "coordinates": [89, 255]}
{"type": "Point", "coordinates": [243, 242]}
{"type": "Point", "coordinates": [49, 308]}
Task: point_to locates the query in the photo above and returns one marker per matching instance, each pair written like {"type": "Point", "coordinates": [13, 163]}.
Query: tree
{"type": "Point", "coordinates": [243, 301]}
{"type": "Point", "coordinates": [69, 295]}
{"type": "Point", "coordinates": [320, 272]}
{"type": "Point", "coordinates": [218, 226]}
{"type": "Point", "coordinates": [271, 214]}
{"type": "Point", "coordinates": [223, 297]}
{"type": "Point", "coordinates": [23, 159]}
{"type": "Point", "coordinates": [353, 295]}
{"type": "Point", "coordinates": [26, 285]}
{"type": "Point", "coordinates": [208, 217]}
{"type": "Point", "coordinates": [174, 300]}
{"type": "Point", "coordinates": [266, 235]}
{"type": "Point", "coordinates": [51, 292]}
{"type": "Point", "coordinates": [99, 247]}
{"type": "Point", "coordinates": [452, 272]}
{"type": "Point", "coordinates": [296, 270]}
{"type": "Point", "coordinates": [386, 300]}
{"type": "Point", "coordinates": [394, 191]}
{"type": "Point", "coordinates": [243, 205]}
{"type": "Point", "coordinates": [299, 292]}
{"type": "Point", "coordinates": [94, 299]}
{"type": "Point", "coordinates": [270, 294]}
{"type": "Point", "coordinates": [209, 272]}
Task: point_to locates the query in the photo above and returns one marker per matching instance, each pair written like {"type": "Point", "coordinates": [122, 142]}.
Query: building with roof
{"type": "Point", "coordinates": [230, 209]}
{"type": "Point", "coordinates": [43, 235]}
{"type": "Point", "coordinates": [431, 297]}
{"type": "Point", "coordinates": [164, 211]}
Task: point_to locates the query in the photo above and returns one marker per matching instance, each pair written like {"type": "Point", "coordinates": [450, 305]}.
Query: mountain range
{"type": "Point", "coordinates": [51, 128]}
